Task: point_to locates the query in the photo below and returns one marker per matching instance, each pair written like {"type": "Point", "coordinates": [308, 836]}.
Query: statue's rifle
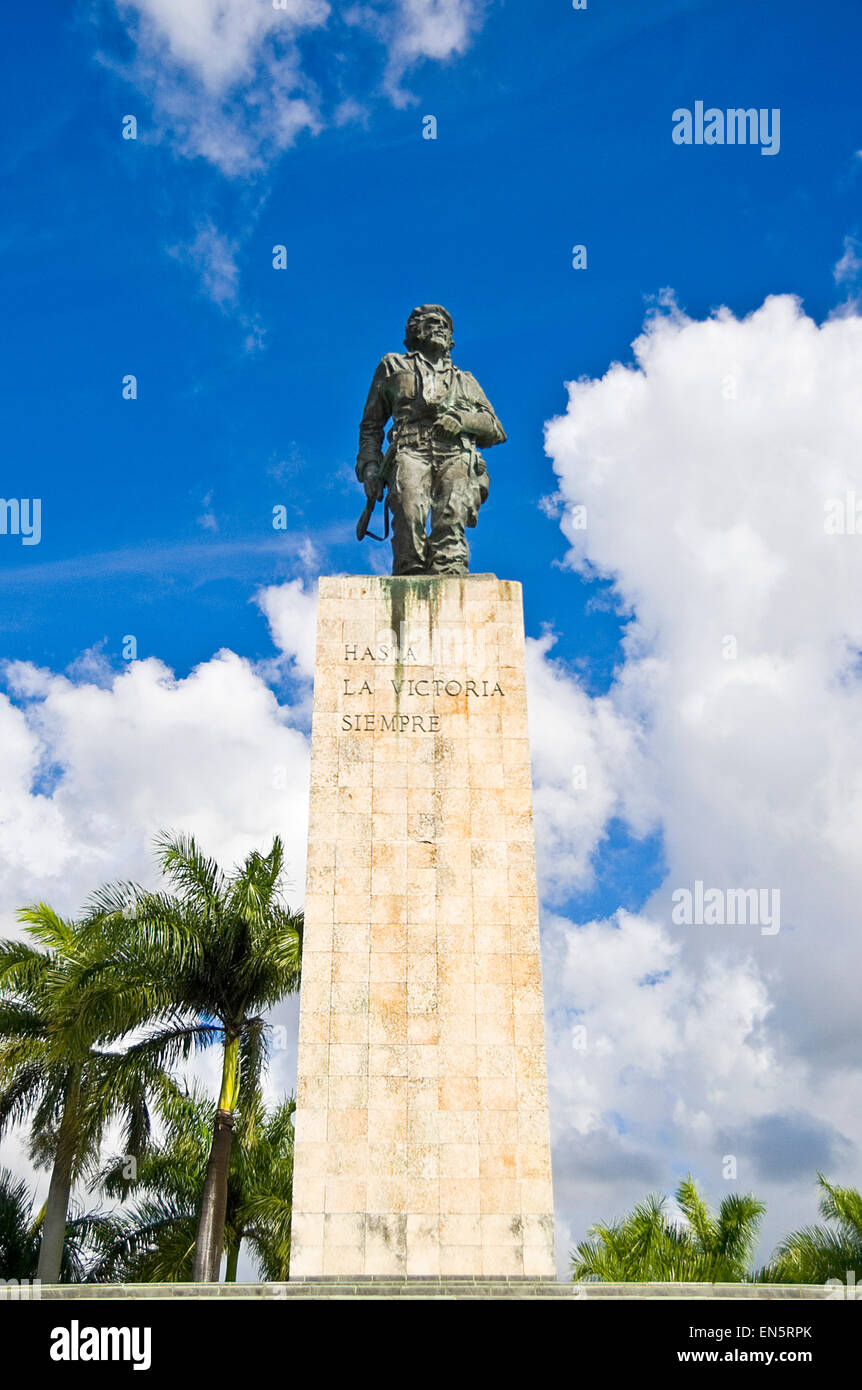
{"type": "Point", "coordinates": [368, 511]}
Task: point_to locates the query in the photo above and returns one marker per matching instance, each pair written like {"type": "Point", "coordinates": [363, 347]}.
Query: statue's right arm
{"type": "Point", "coordinates": [373, 425]}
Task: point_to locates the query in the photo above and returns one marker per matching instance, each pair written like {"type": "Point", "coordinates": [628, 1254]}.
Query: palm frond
{"type": "Point", "coordinates": [842, 1204]}
{"type": "Point", "coordinates": [23, 970]}
{"type": "Point", "coordinates": [21, 1091]}
{"type": "Point", "coordinates": [197, 876]}
{"type": "Point", "coordinates": [49, 927]}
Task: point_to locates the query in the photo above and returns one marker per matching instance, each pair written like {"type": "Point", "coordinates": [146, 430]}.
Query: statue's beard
{"type": "Point", "coordinates": [430, 346]}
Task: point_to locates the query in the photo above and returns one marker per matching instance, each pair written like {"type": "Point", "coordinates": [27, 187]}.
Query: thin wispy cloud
{"type": "Point", "coordinates": [202, 556]}
{"type": "Point", "coordinates": [207, 519]}
{"type": "Point", "coordinates": [847, 269]}
{"type": "Point", "coordinates": [229, 82]}
{"type": "Point", "coordinates": [212, 255]}
{"type": "Point", "coordinates": [413, 31]}
{"type": "Point", "coordinates": [225, 77]}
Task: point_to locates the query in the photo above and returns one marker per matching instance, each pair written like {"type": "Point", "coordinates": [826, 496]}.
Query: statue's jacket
{"type": "Point", "coordinates": [412, 392]}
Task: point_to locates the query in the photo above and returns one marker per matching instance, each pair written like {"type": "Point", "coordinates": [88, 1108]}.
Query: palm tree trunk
{"type": "Point", "coordinates": [232, 1262]}
{"type": "Point", "coordinates": [211, 1220]}
{"type": "Point", "coordinates": [59, 1190]}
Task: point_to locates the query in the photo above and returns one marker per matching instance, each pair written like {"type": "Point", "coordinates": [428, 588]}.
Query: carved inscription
{"type": "Point", "coordinates": [405, 688]}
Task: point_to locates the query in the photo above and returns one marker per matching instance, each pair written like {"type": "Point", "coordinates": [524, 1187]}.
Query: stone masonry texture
{"type": "Point", "coordinates": [422, 1143]}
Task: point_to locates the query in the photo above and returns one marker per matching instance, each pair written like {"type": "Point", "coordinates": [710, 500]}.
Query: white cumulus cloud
{"type": "Point", "coordinates": [93, 770]}
{"type": "Point", "coordinates": [718, 473]}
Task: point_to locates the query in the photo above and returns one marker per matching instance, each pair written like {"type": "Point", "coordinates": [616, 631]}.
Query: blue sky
{"type": "Point", "coordinates": [553, 129]}
{"type": "Point", "coordinates": [154, 257]}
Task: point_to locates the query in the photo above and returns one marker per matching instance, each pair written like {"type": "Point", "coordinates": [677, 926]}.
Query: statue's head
{"type": "Point", "coordinates": [430, 324]}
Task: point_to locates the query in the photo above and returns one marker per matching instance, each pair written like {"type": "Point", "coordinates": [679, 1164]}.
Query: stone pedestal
{"type": "Point", "coordinates": [422, 1118]}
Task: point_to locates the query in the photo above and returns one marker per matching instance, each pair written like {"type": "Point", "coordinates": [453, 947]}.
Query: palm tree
{"type": "Point", "coordinates": [20, 1235]}
{"type": "Point", "coordinates": [155, 1240]}
{"type": "Point", "coordinates": [52, 1067]}
{"type": "Point", "coordinates": [262, 1207]}
{"type": "Point", "coordinates": [19, 1232]}
{"type": "Point", "coordinates": [647, 1246]}
{"type": "Point", "coordinates": [815, 1254]}
{"type": "Point", "coordinates": [218, 952]}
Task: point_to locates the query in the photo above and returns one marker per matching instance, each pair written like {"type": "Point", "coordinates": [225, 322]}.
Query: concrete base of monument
{"type": "Point", "coordinates": [422, 1133]}
{"type": "Point", "coordinates": [383, 1287]}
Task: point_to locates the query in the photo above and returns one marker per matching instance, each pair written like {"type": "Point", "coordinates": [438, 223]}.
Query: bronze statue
{"type": "Point", "coordinates": [432, 467]}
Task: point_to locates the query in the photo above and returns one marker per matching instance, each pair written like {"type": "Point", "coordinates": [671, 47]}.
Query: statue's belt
{"type": "Point", "coordinates": [405, 436]}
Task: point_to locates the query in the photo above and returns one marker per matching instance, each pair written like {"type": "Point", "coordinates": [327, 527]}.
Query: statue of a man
{"type": "Point", "coordinates": [440, 419]}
